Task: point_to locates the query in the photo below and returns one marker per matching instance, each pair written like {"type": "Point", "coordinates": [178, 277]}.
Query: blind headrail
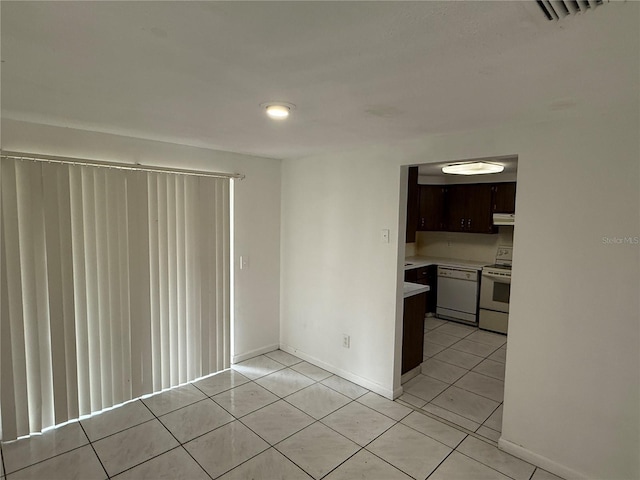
{"type": "Point", "coordinates": [118, 166]}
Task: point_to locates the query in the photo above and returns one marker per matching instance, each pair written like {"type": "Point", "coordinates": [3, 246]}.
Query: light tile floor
{"type": "Point", "coordinates": [277, 417]}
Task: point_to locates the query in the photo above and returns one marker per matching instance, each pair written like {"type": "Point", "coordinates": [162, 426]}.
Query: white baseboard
{"type": "Point", "coordinates": [363, 382]}
{"type": "Point", "coordinates": [253, 353]}
{"type": "Point", "coordinates": [539, 461]}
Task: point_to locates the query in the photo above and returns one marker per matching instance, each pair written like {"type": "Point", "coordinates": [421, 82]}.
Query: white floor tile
{"type": "Point", "coordinates": [461, 467]}
{"type": "Point", "coordinates": [434, 336]}
{"type": "Point", "coordinates": [317, 449]}
{"type": "Point", "coordinates": [431, 323]}
{"type": "Point", "coordinates": [130, 447]}
{"type": "Point", "coordinates": [412, 400]}
{"type": "Point", "coordinates": [277, 421]}
{"type": "Point", "coordinates": [190, 422]}
{"type": "Point", "coordinates": [318, 400]}
{"type": "Point", "coordinates": [116, 420]}
{"type": "Point", "coordinates": [450, 436]}
{"type": "Point", "coordinates": [442, 371]}
{"type": "Point", "coordinates": [430, 349]}
{"type": "Point", "coordinates": [493, 339]}
{"type": "Point", "coordinates": [482, 385]}
{"type": "Point", "coordinates": [385, 406]}
{"type": "Point", "coordinates": [425, 387]}
{"type": "Point", "coordinates": [457, 330]}
{"type": "Point", "coordinates": [465, 403]}
{"type": "Point", "coordinates": [221, 382]}
{"type": "Point", "coordinates": [22, 453]}
{"type": "Point", "coordinates": [496, 459]}
{"type": "Point", "coordinates": [451, 417]}
{"type": "Point", "coordinates": [491, 368]}
{"type": "Point", "coordinates": [345, 387]}
{"type": "Point", "coordinates": [283, 357]}
{"type": "Point", "coordinates": [489, 433]}
{"type": "Point", "coordinates": [173, 399]}
{"type": "Point", "coordinates": [270, 464]}
{"type": "Point", "coordinates": [257, 367]}
{"type": "Point", "coordinates": [458, 358]}
{"type": "Point", "coordinates": [244, 399]}
{"type": "Point", "coordinates": [366, 466]}
{"type": "Point", "coordinates": [174, 464]}
{"type": "Point", "coordinates": [410, 451]}
{"type": "Point", "coordinates": [475, 348]}
{"type": "Point", "coordinates": [358, 423]}
{"type": "Point", "coordinates": [499, 355]}
{"type": "Point", "coordinates": [78, 464]}
{"type": "Point", "coordinates": [495, 420]}
{"type": "Point", "coordinates": [225, 448]}
{"type": "Point", "coordinates": [540, 474]}
{"type": "Point", "coordinates": [311, 371]}
{"type": "Point", "coordinates": [284, 382]}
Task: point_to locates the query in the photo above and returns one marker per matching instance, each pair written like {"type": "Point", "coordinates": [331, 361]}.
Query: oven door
{"type": "Point", "coordinates": [494, 293]}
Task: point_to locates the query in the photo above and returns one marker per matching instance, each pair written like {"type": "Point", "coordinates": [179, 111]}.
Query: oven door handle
{"type": "Point", "coordinates": [497, 278]}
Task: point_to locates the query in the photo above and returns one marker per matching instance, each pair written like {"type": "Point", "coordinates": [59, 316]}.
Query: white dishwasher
{"type": "Point", "coordinates": [458, 289]}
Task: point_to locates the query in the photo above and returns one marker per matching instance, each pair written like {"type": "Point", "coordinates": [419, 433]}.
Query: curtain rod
{"type": "Point", "coordinates": [118, 166]}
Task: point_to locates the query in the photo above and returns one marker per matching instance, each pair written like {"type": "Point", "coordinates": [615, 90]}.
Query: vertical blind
{"type": "Point", "coordinates": [114, 284]}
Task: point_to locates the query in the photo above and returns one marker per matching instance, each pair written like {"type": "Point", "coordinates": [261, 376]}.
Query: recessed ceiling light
{"type": "Point", "coordinates": [473, 168]}
{"type": "Point", "coordinates": [278, 110]}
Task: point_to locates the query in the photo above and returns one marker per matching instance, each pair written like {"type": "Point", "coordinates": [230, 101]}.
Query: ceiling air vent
{"type": "Point", "coordinates": [557, 9]}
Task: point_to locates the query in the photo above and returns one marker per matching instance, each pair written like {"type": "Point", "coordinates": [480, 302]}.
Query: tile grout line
{"type": "Point", "coordinates": [180, 444]}
{"type": "Point", "coordinates": [94, 450]}
{"type": "Point", "coordinates": [6, 474]}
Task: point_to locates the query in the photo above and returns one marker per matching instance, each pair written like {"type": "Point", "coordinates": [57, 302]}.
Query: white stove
{"type": "Point", "coordinates": [495, 290]}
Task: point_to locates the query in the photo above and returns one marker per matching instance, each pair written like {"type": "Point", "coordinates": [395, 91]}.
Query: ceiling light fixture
{"type": "Point", "coordinates": [278, 110]}
{"type": "Point", "coordinates": [473, 168]}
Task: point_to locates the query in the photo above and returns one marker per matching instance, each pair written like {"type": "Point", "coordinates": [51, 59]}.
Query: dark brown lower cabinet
{"type": "Point", "coordinates": [413, 331]}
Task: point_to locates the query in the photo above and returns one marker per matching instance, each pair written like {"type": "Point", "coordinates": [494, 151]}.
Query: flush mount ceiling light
{"type": "Point", "coordinates": [278, 110]}
{"type": "Point", "coordinates": [473, 168]}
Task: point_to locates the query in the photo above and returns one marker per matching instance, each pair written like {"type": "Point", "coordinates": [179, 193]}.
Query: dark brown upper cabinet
{"type": "Point", "coordinates": [504, 197]}
{"type": "Point", "coordinates": [469, 208]}
{"type": "Point", "coordinates": [432, 208]}
{"type": "Point", "coordinates": [412, 205]}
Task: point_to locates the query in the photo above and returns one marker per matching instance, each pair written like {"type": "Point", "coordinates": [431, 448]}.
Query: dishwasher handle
{"type": "Point", "coordinates": [458, 273]}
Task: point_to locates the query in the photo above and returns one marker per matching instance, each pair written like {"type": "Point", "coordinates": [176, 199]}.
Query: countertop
{"type": "Point", "coordinates": [411, 289]}
{"type": "Point", "coordinates": [418, 261]}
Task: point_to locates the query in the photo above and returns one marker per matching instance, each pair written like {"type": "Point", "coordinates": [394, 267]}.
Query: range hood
{"type": "Point", "coordinates": [504, 218]}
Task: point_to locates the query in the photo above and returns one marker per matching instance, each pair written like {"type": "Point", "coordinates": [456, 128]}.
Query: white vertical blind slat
{"type": "Point", "coordinates": [114, 284]}
{"type": "Point", "coordinates": [80, 290]}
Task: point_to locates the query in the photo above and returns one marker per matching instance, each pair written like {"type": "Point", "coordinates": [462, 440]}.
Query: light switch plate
{"type": "Point", "coordinates": [385, 235]}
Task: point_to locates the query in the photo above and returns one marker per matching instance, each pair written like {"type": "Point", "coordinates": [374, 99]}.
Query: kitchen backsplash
{"type": "Point", "coordinates": [465, 246]}
{"type": "Point", "coordinates": [410, 249]}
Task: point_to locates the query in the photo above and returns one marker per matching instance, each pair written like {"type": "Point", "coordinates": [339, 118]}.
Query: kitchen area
{"type": "Point", "coordinates": [459, 249]}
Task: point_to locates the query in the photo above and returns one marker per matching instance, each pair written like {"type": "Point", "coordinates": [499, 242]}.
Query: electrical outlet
{"type": "Point", "coordinates": [346, 341]}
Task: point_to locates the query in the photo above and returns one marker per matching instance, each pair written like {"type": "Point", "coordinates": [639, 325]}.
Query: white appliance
{"type": "Point", "coordinates": [457, 294]}
{"type": "Point", "coordinates": [504, 219]}
{"type": "Point", "coordinates": [495, 291]}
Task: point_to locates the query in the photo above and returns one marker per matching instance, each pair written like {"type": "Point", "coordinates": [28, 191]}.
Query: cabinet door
{"type": "Point", "coordinates": [413, 331]}
{"type": "Point", "coordinates": [431, 211]}
{"type": "Point", "coordinates": [457, 208]}
{"type": "Point", "coordinates": [412, 205]}
{"type": "Point", "coordinates": [504, 197]}
{"type": "Point", "coordinates": [478, 218]}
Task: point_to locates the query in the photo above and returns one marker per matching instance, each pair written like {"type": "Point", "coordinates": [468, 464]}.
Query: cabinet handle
{"type": "Point", "coordinates": [469, 224]}
{"type": "Point", "coordinates": [462, 223]}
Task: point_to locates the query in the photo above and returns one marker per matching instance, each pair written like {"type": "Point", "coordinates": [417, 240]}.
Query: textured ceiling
{"type": "Point", "coordinates": [360, 73]}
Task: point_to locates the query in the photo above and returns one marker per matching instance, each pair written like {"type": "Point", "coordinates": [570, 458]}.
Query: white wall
{"type": "Point", "coordinates": [572, 400]}
{"type": "Point", "coordinates": [337, 274]}
{"type": "Point", "coordinates": [257, 211]}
